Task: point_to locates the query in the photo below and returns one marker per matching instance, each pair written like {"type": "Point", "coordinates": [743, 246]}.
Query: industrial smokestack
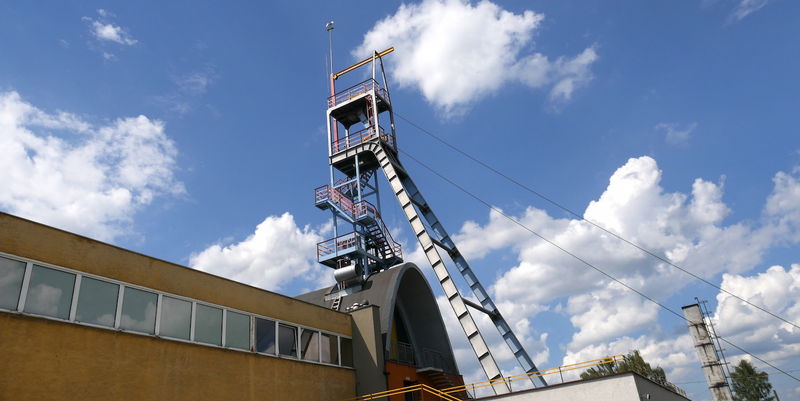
{"type": "Point", "coordinates": [707, 352]}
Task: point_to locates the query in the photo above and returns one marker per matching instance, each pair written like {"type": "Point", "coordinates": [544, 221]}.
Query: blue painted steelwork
{"type": "Point", "coordinates": [353, 190]}
{"type": "Point", "coordinates": [355, 156]}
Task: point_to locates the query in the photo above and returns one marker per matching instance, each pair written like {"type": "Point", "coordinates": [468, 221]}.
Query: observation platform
{"type": "Point", "coordinates": [346, 106]}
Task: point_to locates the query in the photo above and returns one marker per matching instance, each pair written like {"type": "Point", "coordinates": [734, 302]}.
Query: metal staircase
{"type": "Point", "coordinates": [357, 154]}
{"type": "Point", "coordinates": [349, 186]}
{"type": "Point", "coordinates": [374, 237]}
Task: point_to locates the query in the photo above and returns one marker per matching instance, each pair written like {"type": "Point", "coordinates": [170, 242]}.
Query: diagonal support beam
{"type": "Point", "coordinates": [400, 183]}
{"type": "Point", "coordinates": [411, 199]}
{"type": "Point", "coordinates": [477, 307]}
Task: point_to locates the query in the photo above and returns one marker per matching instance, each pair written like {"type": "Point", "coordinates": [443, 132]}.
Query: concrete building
{"type": "Point", "coordinates": [628, 386]}
{"type": "Point", "coordinates": [80, 319]}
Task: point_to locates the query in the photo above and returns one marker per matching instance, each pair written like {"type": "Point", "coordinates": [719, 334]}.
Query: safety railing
{"type": "Point", "coordinates": [365, 209]}
{"type": "Point", "coordinates": [327, 194]}
{"type": "Point", "coordinates": [470, 388]}
{"type": "Point", "coordinates": [526, 376]}
{"type": "Point", "coordinates": [355, 211]}
{"type": "Point", "coordinates": [335, 245]}
{"type": "Point", "coordinates": [405, 352]}
{"type": "Point", "coordinates": [395, 247]}
{"type": "Point", "coordinates": [436, 359]}
{"type": "Point", "coordinates": [423, 389]}
{"type": "Point", "coordinates": [357, 90]}
{"type": "Point", "coordinates": [359, 137]}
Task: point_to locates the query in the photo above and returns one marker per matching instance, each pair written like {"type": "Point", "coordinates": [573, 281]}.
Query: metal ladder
{"type": "Point", "coordinates": [336, 303]}
{"type": "Point", "coordinates": [413, 204]}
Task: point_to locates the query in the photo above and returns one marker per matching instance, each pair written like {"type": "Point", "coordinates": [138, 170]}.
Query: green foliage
{"type": "Point", "coordinates": [749, 384]}
{"type": "Point", "coordinates": [633, 362]}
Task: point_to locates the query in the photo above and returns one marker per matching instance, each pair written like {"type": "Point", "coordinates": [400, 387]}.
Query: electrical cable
{"type": "Point", "coordinates": [578, 258]}
{"type": "Point", "coordinates": [564, 208]}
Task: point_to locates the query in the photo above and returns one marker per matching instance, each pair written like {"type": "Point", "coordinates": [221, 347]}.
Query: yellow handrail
{"type": "Point", "coordinates": [539, 373]}
{"type": "Point", "coordinates": [446, 393]}
{"type": "Point", "coordinates": [417, 387]}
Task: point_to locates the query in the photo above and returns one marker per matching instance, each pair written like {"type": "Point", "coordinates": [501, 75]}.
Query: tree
{"type": "Point", "coordinates": [749, 384]}
{"type": "Point", "coordinates": [633, 362]}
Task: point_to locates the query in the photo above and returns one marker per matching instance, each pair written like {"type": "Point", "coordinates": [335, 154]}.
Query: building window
{"type": "Point", "coordinates": [97, 302]}
{"type": "Point", "coordinates": [347, 352]}
{"type": "Point", "coordinates": [72, 296]}
{"type": "Point", "coordinates": [237, 331]}
{"type": "Point", "coordinates": [50, 292]}
{"type": "Point", "coordinates": [329, 349]}
{"type": "Point", "coordinates": [138, 311]}
{"type": "Point", "coordinates": [309, 345]}
{"type": "Point", "coordinates": [265, 336]}
{"type": "Point", "coordinates": [208, 325]}
{"type": "Point", "coordinates": [176, 318]}
{"type": "Point", "coordinates": [11, 274]}
{"type": "Point", "coordinates": [287, 336]}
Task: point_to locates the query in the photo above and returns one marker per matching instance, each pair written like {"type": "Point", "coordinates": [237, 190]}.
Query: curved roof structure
{"type": "Point", "coordinates": [409, 315]}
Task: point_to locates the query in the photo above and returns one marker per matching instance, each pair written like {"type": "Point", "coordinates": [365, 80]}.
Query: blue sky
{"type": "Point", "coordinates": [195, 132]}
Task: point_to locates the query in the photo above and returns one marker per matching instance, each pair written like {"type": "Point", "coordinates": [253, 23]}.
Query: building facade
{"type": "Point", "coordinates": [80, 319]}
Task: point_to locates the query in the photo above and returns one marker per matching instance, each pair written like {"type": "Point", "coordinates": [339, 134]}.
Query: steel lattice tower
{"type": "Point", "coordinates": [359, 146]}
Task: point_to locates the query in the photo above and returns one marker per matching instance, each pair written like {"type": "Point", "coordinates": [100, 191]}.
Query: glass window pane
{"type": "Point", "coordinates": [287, 336]}
{"type": "Point", "coordinates": [237, 331]}
{"type": "Point", "coordinates": [265, 336]}
{"type": "Point", "coordinates": [11, 274]}
{"type": "Point", "coordinates": [138, 311]}
{"type": "Point", "coordinates": [97, 302]}
{"type": "Point", "coordinates": [347, 352]}
{"type": "Point", "coordinates": [330, 349]}
{"type": "Point", "coordinates": [50, 292]}
{"type": "Point", "coordinates": [208, 325]}
{"type": "Point", "coordinates": [309, 345]}
{"type": "Point", "coordinates": [176, 318]}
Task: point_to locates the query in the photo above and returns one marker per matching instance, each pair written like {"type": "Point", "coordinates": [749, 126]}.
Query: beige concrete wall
{"type": "Point", "coordinates": [368, 351]}
{"type": "Point", "coordinates": [42, 359]}
{"type": "Point", "coordinates": [36, 241]}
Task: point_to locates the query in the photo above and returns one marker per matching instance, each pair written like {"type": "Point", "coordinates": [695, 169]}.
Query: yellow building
{"type": "Point", "coordinates": [85, 320]}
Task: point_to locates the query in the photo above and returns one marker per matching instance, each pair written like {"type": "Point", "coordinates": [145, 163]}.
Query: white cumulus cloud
{"type": "Point", "coordinates": [103, 30]}
{"type": "Point", "coordinates": [277, 252]}
{"type": "Point", "coordinates": [455, 52]}
{"type": "Point", "coordinates": [64, 171]}
{"type": "Point", "coordinates": [689, 229]}
{"type": "Point", "coordinates": [778, 290]}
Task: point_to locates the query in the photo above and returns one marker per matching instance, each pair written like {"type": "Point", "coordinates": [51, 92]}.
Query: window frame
{"type": "Point", "coordinates": [23, 298]}
{"type": "Point", "coordinates": [117, 309]}
{"type": "Point", "coordinates": [26, 283]}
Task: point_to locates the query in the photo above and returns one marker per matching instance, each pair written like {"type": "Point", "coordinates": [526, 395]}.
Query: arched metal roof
{"type": "Point", "coordinates": [401, 290]}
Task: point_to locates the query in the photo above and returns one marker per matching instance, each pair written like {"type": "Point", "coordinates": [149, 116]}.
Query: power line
{"type": "Point", "coordinates": [576, 257]}
{"type": "Point", "coordinates": [703, 381]}
{"type": "Point", "coordinates": [566, 209]}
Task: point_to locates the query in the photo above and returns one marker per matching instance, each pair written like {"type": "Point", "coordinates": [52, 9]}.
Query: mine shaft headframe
{"type": "Point", "coordinates": [336, 75]}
